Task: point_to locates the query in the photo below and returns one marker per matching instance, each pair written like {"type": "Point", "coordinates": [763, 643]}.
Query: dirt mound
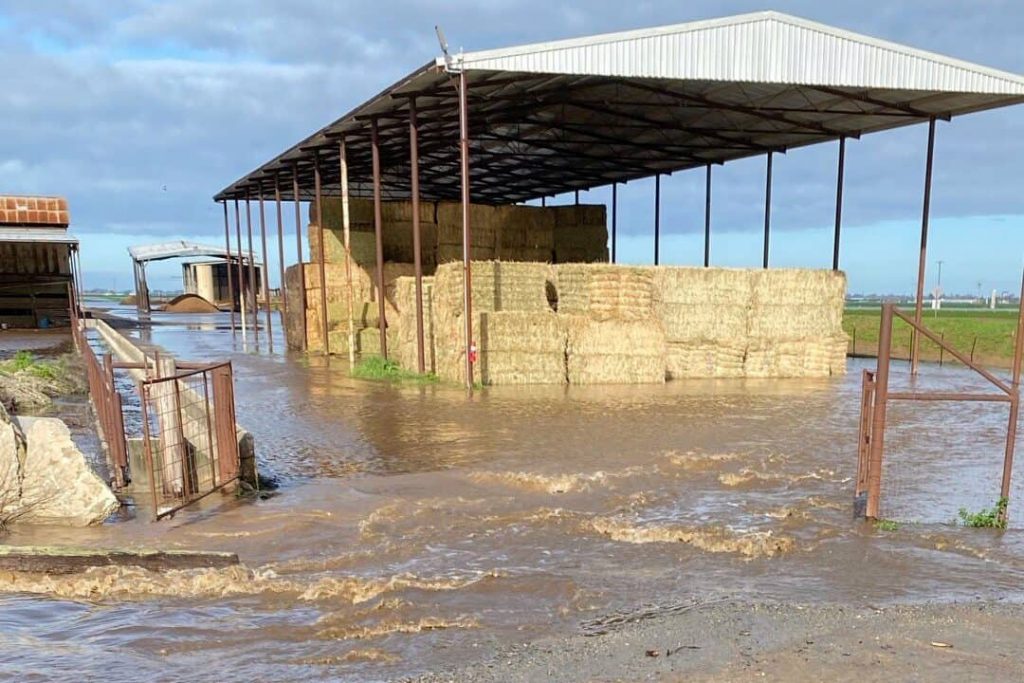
{"type": "Point", "coordinates": [189, 303]}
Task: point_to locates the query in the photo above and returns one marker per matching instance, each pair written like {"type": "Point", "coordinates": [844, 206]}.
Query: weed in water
{"type": "Point", "coordinates": [380, 369]}
{"type": "Point", "coordinates": [986, 518]}
{"type": "Point", "coordinates": [886, 525]}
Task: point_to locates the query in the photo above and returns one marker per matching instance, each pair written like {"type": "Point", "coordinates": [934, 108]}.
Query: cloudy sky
{"type": "Point", "coordinates": [140, 110]}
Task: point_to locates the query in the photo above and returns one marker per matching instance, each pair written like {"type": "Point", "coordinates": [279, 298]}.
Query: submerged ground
{"type": "Point", "coordinates": [551, 533]}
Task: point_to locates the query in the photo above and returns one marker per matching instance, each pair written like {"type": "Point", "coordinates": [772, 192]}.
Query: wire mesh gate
{"type": "Point", "coordinates": [189, 435]}
{"type": "Point", "coordinates": [875, 397]}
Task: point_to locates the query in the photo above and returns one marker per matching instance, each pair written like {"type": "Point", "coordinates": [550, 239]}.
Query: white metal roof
{"type": "Point", "coordinates": [554, 117]}
{"type": "Point", "coordinates": [33, 234]}
{"type": "Point", "coordinates": [179, 249]}
{"type": "Point", "coordinates": [761, 47]}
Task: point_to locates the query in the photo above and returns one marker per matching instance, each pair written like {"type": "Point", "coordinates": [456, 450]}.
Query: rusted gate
{"type": "Point", "coordinates": [875, 398]}
{"type": "Point", "coordinates": [106, 403]}
{"type": "Point", "coordinates": [189, 435]}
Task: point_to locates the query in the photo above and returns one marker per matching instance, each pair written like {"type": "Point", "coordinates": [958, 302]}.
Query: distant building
{"type": "Point", "coordinates": [37, 258]}
{"type": "Point", "coordinates": [209, 279]}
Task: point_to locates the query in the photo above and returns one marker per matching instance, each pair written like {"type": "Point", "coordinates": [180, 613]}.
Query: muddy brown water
{"type": "Point", "coordinates": [416, 527]}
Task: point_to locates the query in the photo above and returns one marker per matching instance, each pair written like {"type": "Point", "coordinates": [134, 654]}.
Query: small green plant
{"type": "Point", "coordinates": [986, 518]}
{"type": "Point", "coordinates": [380, 369]}
{"type": "Point", "coordinates": [21, 360]}
{"type": "Point", "coordinates": [886, 525]}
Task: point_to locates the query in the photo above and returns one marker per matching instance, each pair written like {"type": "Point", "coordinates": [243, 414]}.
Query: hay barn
{"type": "Point", "coordinates": [37, 262]}
{"type": "Point", "coordinates": [428, 245]}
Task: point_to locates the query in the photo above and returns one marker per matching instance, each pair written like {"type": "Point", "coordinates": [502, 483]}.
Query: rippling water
{"type": "Point", "coordinates": [416, 526]}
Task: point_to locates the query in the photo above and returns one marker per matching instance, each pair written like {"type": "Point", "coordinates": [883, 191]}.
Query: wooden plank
{"type": "Point", "coordinates": [63, 560]}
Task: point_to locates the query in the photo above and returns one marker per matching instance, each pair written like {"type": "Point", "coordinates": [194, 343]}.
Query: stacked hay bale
{"type": "Point", "coordinates": [613, 333]}
{"type": "Point", "coordinates": [518, 337]}
{"type": "Point", "coordinates": [580, 234]}
{"type": "Point", "coordinates": [526, 233]}
{"type": "Point", "coordinates": [705, 313]}
{"type": "Point", "coordinates": [795, 327]}
{"type": "Point", "coordinates": [404, 349]}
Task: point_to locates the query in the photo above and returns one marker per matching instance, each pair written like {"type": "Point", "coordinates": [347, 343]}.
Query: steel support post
{"type": "Point", "coordinates": [240, 273]}
{"type": "Point", "coordinates": [839, 201]}
{"type": "Point", "coordinates": [253, 285]}
{"type": "Point", "coordinates": [615, 217]}
{"type": "Point", "coordinates": [321, 251]}
{"type": "Point", "coordinates": [298, 254]}
{"type": "Point", "coordinates": [347, 236]}
{"type": "Point", "coordinates": [915, 355]}
{"type": "Point", "coordinates": [1011, 427]}
{"type": "Point", "coordinates": [265, 279]}
{"type": "Point", "coordinates": [467, 281]}
{"type": "Point", "coordinates": [767, 208]}
{"type": "Point", "coordinates": [877, 445]}
{"type": "Point", "coordinates": [280, 252]}
{"type": "Point", "coordinates": [227, 266]}
{"type": "Point", "coordinates": [414, 179]}
{"type": "Point", "coordinates": [657, 217]}
{"type": "Point", "coordinates": [378, 230]}
{"type": "Point", "coordinates": [707, 217]}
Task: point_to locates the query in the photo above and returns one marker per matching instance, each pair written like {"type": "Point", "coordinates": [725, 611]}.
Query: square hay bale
{"type": "Point", "coordinates": [521, 348]}
{"type": "Point", "coordinates": [799, 286]}
{"type": "Point", "coordinates": [579, 214]}
{"type": "Point", "coordinates": [452, 253]}
{"type": "Point", "coordinates": [405, 348]}
{"type": "Point", "coordinates": [605, 292]}
{"type": "Point", "coordinates": [361, 211]}
{"type": "Point", "coordinates": [581, 244]}
{"type": "Point", "coordinates": [615, 352]}
{"type": "Point", "coordinates": [704, 359]}
{"type": "Point", "coordinates": [497, 286]}
{"type": "Point", "coordinates": [821, 357]}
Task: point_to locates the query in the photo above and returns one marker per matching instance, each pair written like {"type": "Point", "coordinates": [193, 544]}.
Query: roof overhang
{"type": "Point", "coordinates": [179, 249]}
{"type": "Point", "coordinates": [36, 235]}
{"type": "Point", "coordinates": [571, 115]}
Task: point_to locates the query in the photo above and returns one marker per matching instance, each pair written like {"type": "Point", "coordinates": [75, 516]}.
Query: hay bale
{"type": "Point", "coordinates": [693, 359]}
{"type": "Point", "coordinates": [497, 286]}
{"type": "Point", "coordinates": [521, 348]}
{"type": "Point", "coordinates": [614, 351]}
{"type": "Point", "coordinates": [822, 357]}
{"type": "Point", "coordinates": [704, 305]}
{"type": "Point", "coordinates": [405, 347]}
{"type": "Point", "coordinates": [605, 292]}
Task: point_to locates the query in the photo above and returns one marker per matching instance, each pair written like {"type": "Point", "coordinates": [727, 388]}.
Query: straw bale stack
{"type": "Point", "coordinates": [606, 292]}
{"type": "Point", "coordinates": [404, 350]}
{"type": "Point", "coordinates": [521, 348]}
{"type": "Point", "coordinates": [797, 358]}
{"type": "Point", "coordinates": [687, 359]}
{"type": "Point", "coordinates": [614, 351]}
{"type": "Point", "coordinates": [581, 233]}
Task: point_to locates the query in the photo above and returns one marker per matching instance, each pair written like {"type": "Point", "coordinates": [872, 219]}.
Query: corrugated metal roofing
{"type": "Point", "coordinates": [762, 47]}
{"type": "Point", "coordinates": [178, 249]}
{"type": "Point", "coordinates": [29, 234]}
{"type": "Point", "coordinates": [570, 115]}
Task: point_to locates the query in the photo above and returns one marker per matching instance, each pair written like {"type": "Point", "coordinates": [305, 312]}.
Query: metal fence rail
{"type": "Point", "coordinates": [191, 447]}
{"type": "Point", "coordinates": [875, 398]}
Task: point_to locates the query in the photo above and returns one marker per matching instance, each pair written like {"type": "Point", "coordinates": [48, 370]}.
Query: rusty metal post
{"type": "Point", "coordinates": [224, 422]}
{"type": "Point", "coordinates": [707, 217]}
{"type": "Point", "coordinates": [280, 252]}
{"type": "Point", "coordinates": [878, 414]}
{"type": "Point", "coordinates": [227, 267]}
{"type": "Point", "coordinates": [298, 247]}
{"type": "Point", "coordinates": [346, 225]}
{"type": "Point", "coordinates": [767, 208]}
{"type": "Point", "coordinates": [186, 466]}
{"type": "Point", "coordinates": [615, 217]}
{"type": "Point", "coordinates": [839, 201]}
{"type": "Point", "coordinates": [915, 356]}
{"type": "Point", "coordinates": [657, 217]}
{"type": "Point", "coordinates": [147, 443]}
{"type": "Point", "coordinates": [1011, 427]}
{"type": "Point", "coordinates": [265, 277]}
{"type": "Point", "coordinates": [864, 441]}
{"type": "Point", "coordinates": [211, 451]}
{"type": "Point", "coordinates": [321, 253]}
{"type": "Point", "coordinates": [240, 272]}
{"type": "Point", "coordinates": [253, 284]}
{"type": "Point", "coordinates": [467, 276]}
{"type": "Point", "coordinates": [414, 177]}
{"type": "Point", "coordinates": [378, 230]}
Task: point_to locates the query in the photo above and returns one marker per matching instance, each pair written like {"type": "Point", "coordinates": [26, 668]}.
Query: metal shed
{"type": "Point", "coordinates": [527, 122]}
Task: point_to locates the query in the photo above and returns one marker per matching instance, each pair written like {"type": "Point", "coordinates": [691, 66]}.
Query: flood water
{"type": "Point", "coordinates": [416, 526]}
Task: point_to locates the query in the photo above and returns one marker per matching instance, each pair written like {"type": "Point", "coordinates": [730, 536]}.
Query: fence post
{"type": "Point", "coordinates": [942, 348]}
{"type": "Point", "coordinates": [148, 447]}
{"type": "Point", "coordinates": [224, 421]}
{"type": "Point", "coordinates": [878, 412]}
{"type": "Point", "coordinates": [973, 345]}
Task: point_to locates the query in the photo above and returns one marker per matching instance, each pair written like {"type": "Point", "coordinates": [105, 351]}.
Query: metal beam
{"type": "Point", "coordinates": [467, 279]}
{"type": "Point", "coordinates": [915, 357]}
{"type": "Point", "coordinates": [839, 202]}
{"type": "Point", "coordinates": [227, 267]}
{"type": "Point", "coordinates": [378, 228]}
{"type": "Point", "coordinates": [298, 253]}
{"type": "Point", "coordinates": [707, 217]}
{"type": "Point", "coordinates": [417, 259]}
{"type": "Point", "coordinates": [657, 217]}
{"type": "Point", "coordinates": [767, 208]}
{"type": "Point", "coordinates": [265, 275]}
{"type": "Point", "coordinates": [321, 253]}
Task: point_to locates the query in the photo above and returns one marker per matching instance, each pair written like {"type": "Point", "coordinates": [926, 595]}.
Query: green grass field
{"type": "Point", "coordinates": [989, 333]}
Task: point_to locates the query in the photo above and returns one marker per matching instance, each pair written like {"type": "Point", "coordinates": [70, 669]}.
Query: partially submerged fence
{"type": "Point", "coordinates": [188, 446]}
{"type": "Point", "coordinates": [876, 396]}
